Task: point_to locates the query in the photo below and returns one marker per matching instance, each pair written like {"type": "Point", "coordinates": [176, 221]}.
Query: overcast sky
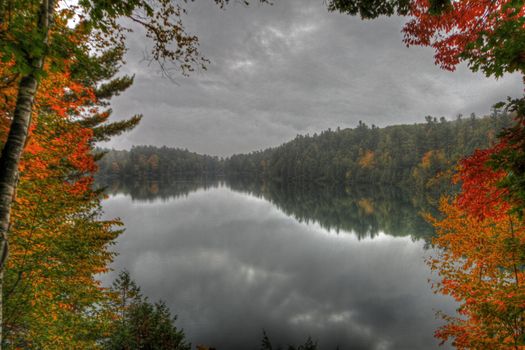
{"type": "Point", "coordinates": [292, 68]}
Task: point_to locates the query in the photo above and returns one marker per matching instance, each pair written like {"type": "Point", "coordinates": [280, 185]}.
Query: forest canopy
{"type": "Point", "coordinates": [401, 155]}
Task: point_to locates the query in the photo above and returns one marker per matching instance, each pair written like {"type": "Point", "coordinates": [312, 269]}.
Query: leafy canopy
{"type": "Point", "coordinates": [487, 34]}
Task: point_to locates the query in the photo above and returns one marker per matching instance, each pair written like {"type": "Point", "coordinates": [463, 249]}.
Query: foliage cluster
{"type": "Point", "coordinates": [487, 34]}
{"type": "Point", "coordinates": [59, 243]}
{"type": "Point", "coordinates": [481, 257]}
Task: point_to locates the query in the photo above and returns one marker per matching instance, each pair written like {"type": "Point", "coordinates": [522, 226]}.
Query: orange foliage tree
{"type": "Point", "coordinates": [481, 254]}
{"type": "Point", "coordinates": [58, 243]}
{"type": "Point", "coordinates": [481, 238]}
{"type": "Point", "coordinates": [488, 34]}
{"type": "Point", "coordinates": [51, 297]}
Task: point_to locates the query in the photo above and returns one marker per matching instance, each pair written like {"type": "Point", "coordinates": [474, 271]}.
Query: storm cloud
{"type": "Point", "coordinates": [292, 68]}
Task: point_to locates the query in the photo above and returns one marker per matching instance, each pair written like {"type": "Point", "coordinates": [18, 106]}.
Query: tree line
{"type": "Point", "coordinates": [149, 162]}
{"type": "Point", "coordinates": [401, 155]}
{"type": "Point", "coordinates": [418, 155]}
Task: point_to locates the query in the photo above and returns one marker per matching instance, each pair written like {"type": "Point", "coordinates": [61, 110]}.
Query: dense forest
{"type": "Point", "coordinates": [401, 155]}
{"type": "Point", "coordinates": [398, 155]}
{"type": "Point", "coordinates": [149, 162]}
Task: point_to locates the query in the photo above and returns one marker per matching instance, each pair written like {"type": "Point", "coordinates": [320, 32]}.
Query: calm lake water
{"type": "Point", "coordinates": [345, 268]}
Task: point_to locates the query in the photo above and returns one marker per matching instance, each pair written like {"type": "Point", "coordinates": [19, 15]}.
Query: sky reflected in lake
{"type": "Point", "coordinates": [231, 264]}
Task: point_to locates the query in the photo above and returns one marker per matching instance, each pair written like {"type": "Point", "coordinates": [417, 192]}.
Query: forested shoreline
{"type": "Point", "coordinates": [63, 62]}
{"type": "Point", "coordinates": [418, 156]}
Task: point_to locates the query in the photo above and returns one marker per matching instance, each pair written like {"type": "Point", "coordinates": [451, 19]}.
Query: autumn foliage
{"type": "Point", "coordinates": [481, 254]}
{"type": "Point", "coordinates": [58, 243]}
{"type": "Point", "coordinates": [488, 34]}
{"type": "Point", "coordinates": [481, 236]}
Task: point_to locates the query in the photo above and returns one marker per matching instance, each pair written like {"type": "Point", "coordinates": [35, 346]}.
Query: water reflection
{"type": "Point", "coordinates": [158, 190]}
{"type": "Point", "coordinates": [365, 211]}
{"type": "Point", "coordinates": [231, 263]}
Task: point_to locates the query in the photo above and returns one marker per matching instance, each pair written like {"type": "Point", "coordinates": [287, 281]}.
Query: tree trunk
{"type": "Point", "coordinates": [16, 140]}
{"type": "Point", "coordinates": [9, 166]}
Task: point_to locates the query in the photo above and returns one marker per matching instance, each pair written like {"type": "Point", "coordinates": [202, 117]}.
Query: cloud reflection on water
{"type": "Point", "coordinates": [230, 264]}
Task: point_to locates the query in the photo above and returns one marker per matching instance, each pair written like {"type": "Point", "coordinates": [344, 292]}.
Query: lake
{"type": "Point", "coordinates": [231, 260]}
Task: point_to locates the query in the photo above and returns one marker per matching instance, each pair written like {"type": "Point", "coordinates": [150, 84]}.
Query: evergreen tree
{"type": "Point", "coordinates": [142, 325]}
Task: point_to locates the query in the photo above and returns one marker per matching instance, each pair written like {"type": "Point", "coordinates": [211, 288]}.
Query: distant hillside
{"type": "Point", "coordinates": [149, 162]}
{"type": "Point", "coordinates": [401, 155]}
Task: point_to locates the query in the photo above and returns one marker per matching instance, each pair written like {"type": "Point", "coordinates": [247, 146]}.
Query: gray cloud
{"type": "Point", "coordinates": [230, 265]}
{"type": "Point", "coordinates": [291, 68]}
